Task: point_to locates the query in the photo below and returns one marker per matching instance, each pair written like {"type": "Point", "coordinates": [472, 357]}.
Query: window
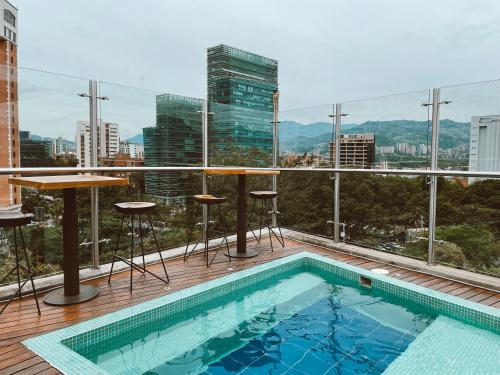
{"type": "Point", "coordinates": [9, 17]}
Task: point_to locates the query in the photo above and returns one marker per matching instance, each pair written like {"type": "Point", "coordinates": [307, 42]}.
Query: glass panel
{"type": "Point", "coordinates": [155, 130]}
{"type": "Point", "coordinates": [306, 198]}
{"type": "Point", "coordinates": [40, 113]}
{"type": "Point", "coordinates": [385, 212]}
{"type": "Point", "coordinates": [306, 136]}
{"type": "Point", "coordinates": [468, 213]}
{"type": "Point", "coordinates": [389, 132]}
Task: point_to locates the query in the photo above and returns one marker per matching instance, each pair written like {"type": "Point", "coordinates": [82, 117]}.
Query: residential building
{"type": "Point", "coordinates": [484, 150]}
{"type": "Point", "coordinates": [108, 141]}
{"type": "Point", "coordinates": [240, 88]}
{"type": "Point", "coordinates": [174, 141]}
{"type": "Point", "coordinates": [60, 146]}
{"type": "Point", "coordinates": [10, 195]}
{"type": "Point", "coordinates": [385, 149]}
{"type": "Point", "coordinates": [356, 150]}
{"type": "Point", "coordinates": [134, 150]}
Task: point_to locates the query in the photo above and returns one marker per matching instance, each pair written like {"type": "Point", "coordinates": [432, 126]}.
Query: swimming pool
{"type": "Point", "coordinates": [303, 314]}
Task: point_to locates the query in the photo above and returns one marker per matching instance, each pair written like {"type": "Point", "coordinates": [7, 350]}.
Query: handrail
{"type": "Point", "coordinates": [407, 172]}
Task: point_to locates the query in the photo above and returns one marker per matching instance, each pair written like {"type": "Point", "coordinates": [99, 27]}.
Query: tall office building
{"type": "Point", "coordinates": [10, 196]}
{"type": "Point", "coordinates": [240, 88]}
{"type": "Point", "coordinates": [174, 141]}
{"type": "Point", "coordinates": [356, 150]}
{"type": "Point", "coordinates": [484, 149]}
{"type": "Point", "coordinates": [108, 141]}
{"type": "Point", "coordinates": [35, 152]}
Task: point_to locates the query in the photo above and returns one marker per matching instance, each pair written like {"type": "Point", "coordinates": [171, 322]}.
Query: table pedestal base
{"type": "Point", "coordinates": [57, 297]}
{"type": "Point", "coordinates": [250, 253]}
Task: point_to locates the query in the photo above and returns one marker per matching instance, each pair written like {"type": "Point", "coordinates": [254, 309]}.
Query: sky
{"type": "Point", "coordinates": [328, 51]}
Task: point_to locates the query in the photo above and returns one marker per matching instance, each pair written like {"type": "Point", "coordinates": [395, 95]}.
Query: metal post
{"type": "Point", "coordinates": [276, 95]}
{"type": "Point", "coordinates": [433, 179]}
{"type": "Point", "coordinates": [94, 194]}
{"type": "Point", "coordinates": [204, 146]}
{"type": "Point", "coordinates": [336, 196]}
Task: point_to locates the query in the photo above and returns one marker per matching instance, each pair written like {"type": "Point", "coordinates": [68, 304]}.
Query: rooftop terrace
{"type": "Point", "coordinates": [21, 320]}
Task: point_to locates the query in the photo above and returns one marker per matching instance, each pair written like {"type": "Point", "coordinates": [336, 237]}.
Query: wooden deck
{"type": "Point", "coordinates": [20, 321]}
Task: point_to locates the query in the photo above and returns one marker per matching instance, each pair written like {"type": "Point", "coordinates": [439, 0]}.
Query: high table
{"type": "Point", "coordinates": [241, 213]}
{"type": "Point", "coordinates": [72, 292]}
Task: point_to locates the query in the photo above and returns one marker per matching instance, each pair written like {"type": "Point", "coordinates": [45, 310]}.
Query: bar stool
{"type": "Point", "coordinates": [266, 199]}
{"type": "Point", "coordinates": [208, 200]}
{"type": "Point", "coordinates": [139, 209]}
{"type": "Point", "coordinates": [12, 220]}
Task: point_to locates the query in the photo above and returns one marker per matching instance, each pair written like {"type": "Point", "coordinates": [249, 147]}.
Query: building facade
{"type": "Point", "coordinates": [174, 141]}
{"type": "Point", "coordinates": [108, 141]}
{"type": "Point", "coordinates": [10, 196]}
{"type": "Point", "coordinates": [35, 153]}
{"type": "Point", "coordinates": [356, 150]}
{"type": "Point", "coordinates": [133, 150]}
{"type": "Point", "coordinates": [240, 93]}
{"type": "Point", "coordinates": [484, 152]}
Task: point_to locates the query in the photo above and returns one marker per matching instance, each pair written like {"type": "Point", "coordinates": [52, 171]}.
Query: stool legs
{"type": "Point", "coordinates": [131, 261]}
{"type": "Point", "coordinates": [29, 270]}
{"type": "Point", "coordinates": [16, 268]}
{"type": "Point", "coordinates": [158, 249]}
{"type": "Point", "coordinates": [116, 249]}
{"type": "Point", "coordinates": [205, 240]}
{"type": "Point", "coordinates": [265, 221]}
{"type": "Point", "coordinates": [191, 234]}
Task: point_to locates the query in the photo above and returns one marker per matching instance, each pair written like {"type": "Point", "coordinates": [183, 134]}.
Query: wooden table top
{"type": "Point", "coordinates": [241, 171]}
{"type": "Point", "coordinates": [67, 181]}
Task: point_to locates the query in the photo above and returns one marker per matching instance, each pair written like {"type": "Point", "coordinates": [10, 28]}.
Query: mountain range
{"type": "Point", "coordinates": [299, 138]}
{"type": "Point", "coordinates": [296, 137]}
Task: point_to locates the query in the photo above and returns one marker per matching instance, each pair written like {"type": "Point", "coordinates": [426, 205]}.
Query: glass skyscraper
{"type": "Point", "coordinates": [240, 87]}
{"type": "Point", "coordinates": [174, 141]}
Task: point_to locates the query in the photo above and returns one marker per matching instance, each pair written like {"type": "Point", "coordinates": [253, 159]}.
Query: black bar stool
{"type": "Point", "coordinates": [140, 209]}
{"type": "Point", "coordinates": [266, 200]}
{"type": "Point", "coordinates": [12, 220]}
{"type": "Point", "coordinates": [208, 200]}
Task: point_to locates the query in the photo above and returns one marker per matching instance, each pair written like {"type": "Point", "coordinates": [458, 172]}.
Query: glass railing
{"type": "Point", "coordinates": [385, 212]}
{"type": "Point", "coordinates": [468, 209]}
{"type": "Point", "coordinates": [147, 128]}
{"type": "Point", "coordinates": [155, 129]}
{"type": "Point", "coordinates": [42, 114]}
{"type": "Point", "coordinates": [389, 132]}
{"type": "Point", "coordinates": [306, 137]}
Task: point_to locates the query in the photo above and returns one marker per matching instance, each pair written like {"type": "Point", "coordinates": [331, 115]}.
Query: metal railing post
{"type": "Point", "coordinates": [94, 192]}
{"type": "Point", "coordinates": [433, 179]}
{"type": "Point", "coordinates": [204, 146]}
{"type": "Point", "coordinates": [336, 195]}
{"type": "Point", "coordinates": [275, 123]}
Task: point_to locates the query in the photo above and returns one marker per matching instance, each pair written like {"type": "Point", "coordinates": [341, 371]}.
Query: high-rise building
{"type": "Point", "coordinates": [240, 88]}
{"type": "Point", "coordinates": [133, 150]}
{"type": "Point", "coordinates": [108, 141]}
{"type": "Point", "coordinates": [60, 146]}
{"type": "Point", "coordinates": [10, 195]}
{"type": "Point", "coordinates": [356, 150]}
{"type": "Point", "coordinates": [484, 149]}
{"type": "Point", "coordinates": [174, 141]}
{"type": "Point", "coordinates": [34, 152]}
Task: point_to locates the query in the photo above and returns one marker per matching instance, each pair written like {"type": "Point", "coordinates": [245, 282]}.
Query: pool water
{"type": "Point", "coordinates": [299, 323]}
